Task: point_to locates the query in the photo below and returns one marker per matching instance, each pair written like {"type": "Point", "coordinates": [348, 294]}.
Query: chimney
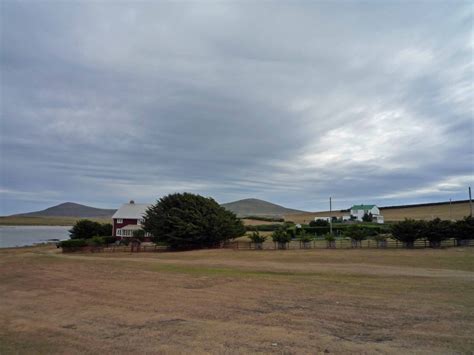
{"type": "Point", "coordinates": [132, 202]}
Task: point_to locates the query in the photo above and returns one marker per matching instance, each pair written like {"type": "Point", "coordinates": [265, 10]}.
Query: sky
{"type": "Point", "coordinates": [290, 102]}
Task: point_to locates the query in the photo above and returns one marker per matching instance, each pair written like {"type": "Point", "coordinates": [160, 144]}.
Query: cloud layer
{"type": "Point", "coordinates": [289, 102]}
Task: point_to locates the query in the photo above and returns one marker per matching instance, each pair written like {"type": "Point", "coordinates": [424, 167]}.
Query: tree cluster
{"type": "Point", "coordinates": [435, 231]}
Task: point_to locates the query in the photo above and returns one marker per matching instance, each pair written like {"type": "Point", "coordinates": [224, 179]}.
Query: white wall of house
{"type": "Point", "coordinates": [359, 214]}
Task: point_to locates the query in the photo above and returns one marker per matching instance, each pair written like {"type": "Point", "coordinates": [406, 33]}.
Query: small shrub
{"type": "Point", "coordinates": [380, 237]}
{"type": "Point", "coordinates": [95, 241]}
{"type": "Point", "coordinates": [319, 223]}
{"type": "Point", "coordinates": [281, 237]}
{"type": "Point", "coordinates": [331, 240]}
{"type": "Point", "coordinates": [305, 238]}
{"type": "Point", "coordinates": [73, 243]}
{"type": "Point", "coordinates": [367, 217]}
{"type": "Point", "coordinates": [139, 234]}
{"type": "Point", "coordinates": [109, 240]}
{"type": "Point", "coordinates": [256, 238]}
{"type": "Point", "coordinates": [356, 233]}
{"type": "Point", "coordinates": [381, 240]}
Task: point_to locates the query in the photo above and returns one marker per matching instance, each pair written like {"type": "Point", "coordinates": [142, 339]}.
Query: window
{"type": "Point", "coordinates": [141, 221]}
{"type": "Point", "coordinates": [119, 232]}
{"type": "Point", "coordinates": [119, 220]}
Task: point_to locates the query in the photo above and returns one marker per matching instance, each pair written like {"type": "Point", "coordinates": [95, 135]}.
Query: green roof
{"type": "Point", "coordinates": [362, 207]}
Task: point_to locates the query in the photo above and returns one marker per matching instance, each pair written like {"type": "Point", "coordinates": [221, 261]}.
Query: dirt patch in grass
{"type": "Point", "coordinates": [223, 301]}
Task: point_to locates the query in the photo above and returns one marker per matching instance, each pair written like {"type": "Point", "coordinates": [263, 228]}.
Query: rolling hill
{"type": "Point", "coordinates": [256, 207]}
{"type": "Point", "coordinates": [70, 209]}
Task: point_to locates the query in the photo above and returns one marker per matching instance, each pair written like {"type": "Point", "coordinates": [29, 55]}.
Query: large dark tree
{"type": "Point", "coordinates": [191, 221]}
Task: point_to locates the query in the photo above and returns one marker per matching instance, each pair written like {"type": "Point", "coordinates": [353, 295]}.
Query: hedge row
{"type": "Point", "coordinates": [95, 241]}
{"type": "Point", "coordinates": [266, 219]}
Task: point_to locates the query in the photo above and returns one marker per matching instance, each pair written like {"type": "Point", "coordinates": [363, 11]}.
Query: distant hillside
{"type": "Point", "coordinates": [256, 207]}
{"type": "Point", "coordinates": [70, 209]}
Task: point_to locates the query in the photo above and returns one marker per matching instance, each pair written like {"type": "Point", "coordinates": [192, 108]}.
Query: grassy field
{"type": "Point", "coordinates": [456, 211]}
{"type": "Point", "coordinates": [225, 301]}
{"type": "Point", "coordinates": [46, 221]}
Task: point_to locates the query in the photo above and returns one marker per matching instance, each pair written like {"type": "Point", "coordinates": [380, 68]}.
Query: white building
{"type": "Point", "coordinates": [358, 211]}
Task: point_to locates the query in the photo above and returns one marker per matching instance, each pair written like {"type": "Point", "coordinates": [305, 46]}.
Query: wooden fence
{"type": "Point", "coordinates": [343, 244]}
{"type": "Point", "coordinates": [293, 245]}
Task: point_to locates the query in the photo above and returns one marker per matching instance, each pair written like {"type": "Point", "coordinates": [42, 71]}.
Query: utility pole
{"type": "Point", "coordinates": [470, 201]}
{"type": "Point", "coordinates": [450, 210]}
{"type": "Point", "coordinates": [330, 215]}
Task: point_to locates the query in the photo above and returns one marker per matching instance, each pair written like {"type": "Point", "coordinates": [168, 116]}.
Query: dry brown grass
{"type": "Point", "coordinates": [225, 301]}
{"type": "Point", "coordinates": [456, 211]}
{"type": "Point", "coordinates": [257, 222]}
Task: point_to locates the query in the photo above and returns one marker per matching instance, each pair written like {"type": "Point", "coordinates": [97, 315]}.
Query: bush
{"type": "Point", "coordinates": [463, 229]}
{"type": "Point", "coordinates": [106, 230]}
{"type": "Point", "coordinates": [356, 233]}
{"type": "Point", "coordinates": [436, 231]}
{"type": "Point", "coordinates": [85, 229]}
{"type": "Point", "coordinates": [367, 217]}
{"type": "Point", "coordinates": [319, 223]}
{"type": "Point", "coordinates": [380, 238]}
{"type": "Point", "coordinates": [281, 236]}
{"type": "Point", "coordinates": [139, 234]}
{"type": "Point", "coordinates": [73, 243]}
{"type": "Point", "coordinates": [267, 219]}
{"type": "Point", "coordinates": [305, 238]}
{"type": "Point", "coordinates": [95, 241]}
{"type": "Point", "coordinates": [255, 237]}
{"type": "Point", "coordinates": [109, 240]}
{"type": "Point", "coordinates": [329, 238]}
{"type": "Point", "coordinates": [191, 221]}
{"type": "Point", "coordinates": [408, 231]}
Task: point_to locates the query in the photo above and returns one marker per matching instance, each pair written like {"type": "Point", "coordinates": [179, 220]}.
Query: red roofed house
{"type": "Point", "coordinates": [128, 218]}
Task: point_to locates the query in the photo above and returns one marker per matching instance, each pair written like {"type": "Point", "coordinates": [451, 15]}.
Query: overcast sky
{"type": "Point", "coordinates": [291, 102]}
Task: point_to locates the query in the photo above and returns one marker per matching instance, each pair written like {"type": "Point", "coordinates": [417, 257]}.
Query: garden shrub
{"type": "Point", "coordinates": [95, 241]}
{"type": "Point", "coordinates": [256, 238]}
{"type": "Point", "coordinates": [319, 223]}
{"type": "Point", "coordinates": [73, 243]}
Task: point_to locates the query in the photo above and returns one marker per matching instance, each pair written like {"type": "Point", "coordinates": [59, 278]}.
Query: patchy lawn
{"type": "Point", "coordinates": [218, 301]}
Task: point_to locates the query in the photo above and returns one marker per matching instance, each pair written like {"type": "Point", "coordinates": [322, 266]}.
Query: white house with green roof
{"type": "Point", "coordinates": [358, 211]}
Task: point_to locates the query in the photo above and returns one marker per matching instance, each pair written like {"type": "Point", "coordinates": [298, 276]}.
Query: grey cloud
{"type": "Point", "coordinates": [288, 102]}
